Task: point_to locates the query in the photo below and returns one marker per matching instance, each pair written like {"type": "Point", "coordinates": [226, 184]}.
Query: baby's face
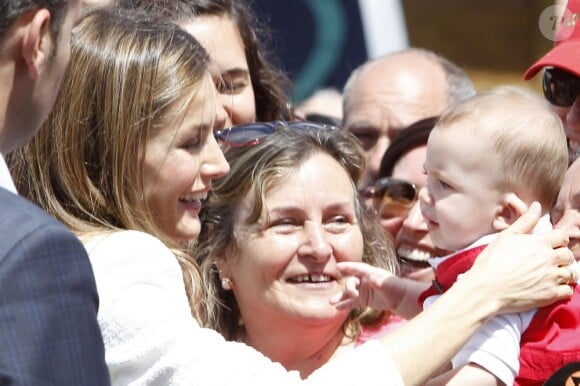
{"type": "Point", "coordinates": [459, 202]}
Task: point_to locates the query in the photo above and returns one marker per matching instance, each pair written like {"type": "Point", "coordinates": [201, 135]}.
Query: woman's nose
{"type": "Point", "coordinates": [214, 165]}
{"type": "Point", "coordinates": [414, 219]}
{"type": "Point", "coordinates": [315, 243]}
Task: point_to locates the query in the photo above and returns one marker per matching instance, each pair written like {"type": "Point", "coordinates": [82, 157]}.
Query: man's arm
{"type": "Point", "coordinates": [48, 311]}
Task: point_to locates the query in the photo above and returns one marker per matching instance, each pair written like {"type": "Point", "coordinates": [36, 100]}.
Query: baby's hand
{"type": "Point", "coordinates": [368, 286]}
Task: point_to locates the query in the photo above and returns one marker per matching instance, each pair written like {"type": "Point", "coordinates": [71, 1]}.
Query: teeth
{"type": "Point", "coordinates": [193, 197]}
{"type": "Point", "coordinates": [413, 253]}
{"type": "Point", "coordinates": [187, 199]}
{"type": "Point", "coordinates": [317, 278]}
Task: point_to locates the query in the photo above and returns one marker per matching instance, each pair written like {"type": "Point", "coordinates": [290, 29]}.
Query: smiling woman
{"type": "Point", "coordinates": [174, 159]}
{"type": "Point", "coordinates": [124, 160]}
{"type": "Point", "coordinates": [274, 233]}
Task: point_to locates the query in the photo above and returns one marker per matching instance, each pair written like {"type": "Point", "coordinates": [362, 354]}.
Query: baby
{"type": "Point", "coordinates": [488, 159]}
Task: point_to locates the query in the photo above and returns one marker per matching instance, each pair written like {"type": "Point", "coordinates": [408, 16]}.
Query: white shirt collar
{"type": "Point", "coordinates": [6, 181]}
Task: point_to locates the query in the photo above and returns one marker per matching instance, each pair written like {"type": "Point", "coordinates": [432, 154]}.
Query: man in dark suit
{"type": "Point", "coordinates": [48, 298]}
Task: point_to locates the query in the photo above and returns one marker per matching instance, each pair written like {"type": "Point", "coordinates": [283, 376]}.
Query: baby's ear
{"type": "Point", "coordinates": [511, 208]}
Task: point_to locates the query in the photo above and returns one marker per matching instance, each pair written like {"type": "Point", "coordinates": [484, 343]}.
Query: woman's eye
{"type": "Point", "coordinates": [283, 223]}
{"type": "Point", "coordinates": [339, 219]}
{"type": "Point", "coordinates": [338, 222]}
{"type": "Point", "coordinates": [235, 86]}
{"type": "Point", "coordinates": [194, 143]}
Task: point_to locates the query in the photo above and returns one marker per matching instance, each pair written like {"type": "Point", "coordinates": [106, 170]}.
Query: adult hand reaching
{"type": "Point", "coordinates": [522, 271]}
{"type": "Point", "coordinates": [517, 272]}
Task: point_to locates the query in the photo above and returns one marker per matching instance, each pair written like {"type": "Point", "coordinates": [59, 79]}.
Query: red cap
{"type": "Point", "coordinates": [566, 52]}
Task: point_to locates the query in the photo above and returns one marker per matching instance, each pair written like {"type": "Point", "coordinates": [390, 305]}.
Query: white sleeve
{"type": "Point", "coordinates": [152, 339]}
{"type": "Point", "coordinates": [496, 346]}
{"type": "Point", "coordinates": [368, 364]}
{"type": "Point", "coordinates": [231, 363]}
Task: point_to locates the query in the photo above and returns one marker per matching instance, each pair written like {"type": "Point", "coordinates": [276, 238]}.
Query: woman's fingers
{"type": "Point", "coordinates": [525, 271]}
{"type": "Point", "coordinates": [527, 221]}
{"type": "Point", "coordinates": [564, 292]}
{"type": "Point", "coordinates": [570, 273]}
{"type": "Point", "coordinates": [557, 238]}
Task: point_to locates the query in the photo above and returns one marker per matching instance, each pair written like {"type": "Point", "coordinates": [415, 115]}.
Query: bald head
{"type": "Point", "coordinates": [387, 94]}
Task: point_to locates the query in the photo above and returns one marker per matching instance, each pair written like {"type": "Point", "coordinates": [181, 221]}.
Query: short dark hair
{"type": "Point", "coordinates": [11, 10]}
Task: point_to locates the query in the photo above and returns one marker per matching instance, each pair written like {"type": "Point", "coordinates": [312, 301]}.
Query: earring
{"type": "Point", "coordinates": [226, 284]}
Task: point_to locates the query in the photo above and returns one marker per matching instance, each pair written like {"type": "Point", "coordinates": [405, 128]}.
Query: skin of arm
{"type": "Point", "coordinates": [466, 375]}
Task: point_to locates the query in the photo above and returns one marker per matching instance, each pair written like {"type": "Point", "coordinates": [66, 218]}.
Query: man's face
{"type": "Point", "coordinates": [389, 95]}
{"type": "Point", "coordinates": [32, 99]}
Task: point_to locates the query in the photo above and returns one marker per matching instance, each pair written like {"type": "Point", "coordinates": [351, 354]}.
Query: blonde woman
{"type": "Point", "coordinates": [127, 158]}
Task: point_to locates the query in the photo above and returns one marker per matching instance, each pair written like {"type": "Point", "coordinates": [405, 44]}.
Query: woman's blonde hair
{"type": "Point", "coordinates": [255, 170]}
{"type": "Point", "coordinates": [85, 165]}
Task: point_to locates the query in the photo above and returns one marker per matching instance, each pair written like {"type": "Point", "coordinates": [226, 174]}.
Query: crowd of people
{"type": "Point", "coordinates": [168, 218]}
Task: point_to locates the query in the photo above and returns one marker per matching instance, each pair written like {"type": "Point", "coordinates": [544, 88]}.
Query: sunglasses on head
{"type": "Point", "coordinates": [560, 87]}
{"type": "Point", "coordinates": [392, 197]}
{"type": "Point", "coordinates": [252, 133]}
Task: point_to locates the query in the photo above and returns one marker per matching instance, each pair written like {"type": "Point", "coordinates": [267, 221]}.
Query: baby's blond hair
{"type": "Point", "coordinates": [524, 135]}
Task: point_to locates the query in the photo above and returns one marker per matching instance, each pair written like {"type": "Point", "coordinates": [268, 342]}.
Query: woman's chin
{"type": "Point", "coordinates": [187, 230]}
{"type": "Point", "coordinates": [319, 312]}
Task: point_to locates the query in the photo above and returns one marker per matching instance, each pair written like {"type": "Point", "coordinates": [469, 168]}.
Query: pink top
{"type": "Point", "coordinates": [389, 324]}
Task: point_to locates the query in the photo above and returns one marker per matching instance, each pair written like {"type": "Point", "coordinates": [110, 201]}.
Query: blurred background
{"type": "Point", "coordinates": [319, 42]}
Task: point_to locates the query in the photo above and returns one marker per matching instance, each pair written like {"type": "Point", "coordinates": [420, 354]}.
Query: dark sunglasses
{"type": "Point", "coordinates": [560, 87]}
{"type": "Point", "coordinates": [252, 133]}
{"type": "Point", "coordinates": [392, 197]}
